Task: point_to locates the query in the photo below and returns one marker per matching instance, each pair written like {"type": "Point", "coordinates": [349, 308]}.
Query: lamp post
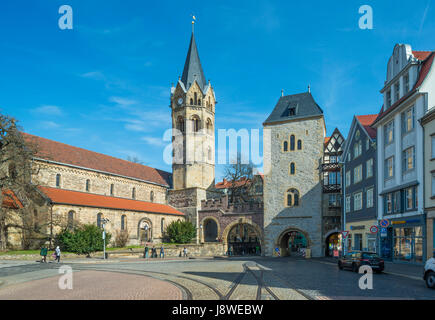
{"type": "Point", "coordinates": [201, 238]}
{"type": "Point", "coordinates": [104, 221]}
{"type": "Point", "coordinates": [146, 233]}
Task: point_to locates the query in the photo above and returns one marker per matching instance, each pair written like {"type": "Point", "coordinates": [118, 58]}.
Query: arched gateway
{"type": "Point", "coordinates": [292, 241]}
{"type": "Point", "coordinates": [244, 238]}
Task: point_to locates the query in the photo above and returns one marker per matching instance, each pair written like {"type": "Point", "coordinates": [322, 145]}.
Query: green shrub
{"type": "Point", "coordinates": [181, 231]}
{"type": "Point", "coordinates": [85, 239]}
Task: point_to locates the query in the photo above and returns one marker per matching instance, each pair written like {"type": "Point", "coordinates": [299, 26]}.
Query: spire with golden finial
{"type": "Point", "coordinates": [193, 23]}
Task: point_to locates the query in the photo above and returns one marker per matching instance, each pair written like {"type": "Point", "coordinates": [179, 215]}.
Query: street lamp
{"type": "Point", "coordinates": [104, 221]}
{"type": "Point", "coordinates": [146, 240]}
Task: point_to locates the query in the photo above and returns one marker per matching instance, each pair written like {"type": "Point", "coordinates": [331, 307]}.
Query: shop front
{"type": "Point", "coordinates": [361, 237]}
{"type": "Point", "coordinates": [404, 240]}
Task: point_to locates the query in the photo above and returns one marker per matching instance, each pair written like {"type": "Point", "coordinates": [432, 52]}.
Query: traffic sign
{"type": "Point", "coordinates": [374, 229]}
{"type": "Point", "coordinates": [345, 234]}
{"type": "Point", "coordinates": [384, 223]}
{"type": "Point", "coordinates": [383, 232]}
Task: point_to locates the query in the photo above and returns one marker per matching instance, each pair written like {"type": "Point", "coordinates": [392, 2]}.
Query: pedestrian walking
{"type": "Point", "coordinates": [162, 252]}
{"type": "Point", "coordinates": [230, 250]}
{"type": "Point", "coordinates": [154, 253]}
{"type": "Point", "coordinates": [57, 252]}
{"type": "Point", "coordinates": [185, 252]}
{"type": "Point", "coordinates": [43, 254]}
{"type": "Point", "coordinates": [145, 253]}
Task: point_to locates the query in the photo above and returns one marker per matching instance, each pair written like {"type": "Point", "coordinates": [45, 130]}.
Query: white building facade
{"type": "Point", "coordinates": [408, 92]}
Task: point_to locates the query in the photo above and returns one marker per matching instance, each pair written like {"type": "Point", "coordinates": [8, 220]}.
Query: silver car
{"type": "Point", "coordinates": [429, 273]}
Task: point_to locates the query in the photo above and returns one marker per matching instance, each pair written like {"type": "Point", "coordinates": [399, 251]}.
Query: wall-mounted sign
{"type": "Point", "coordinates": [357, 227]}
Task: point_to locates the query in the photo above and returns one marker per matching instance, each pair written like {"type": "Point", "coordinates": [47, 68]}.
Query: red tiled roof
{"type": "Point", "coordinates": [421, 55]}
{"type": "Point", "coordinates": [425, 67]}
{"type": "Point", "coordinates": [10, 200]}
{"type": "Point", "coordinates": [225, 184]}
{"type": "Point", "coordinates": [63, 153]}
{"type": "Point", "coordinates": [61, 196]}
{"type": "Point", "coordinates": [366, 121]}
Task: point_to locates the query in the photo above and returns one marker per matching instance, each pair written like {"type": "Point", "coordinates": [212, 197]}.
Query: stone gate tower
{"type": "Point", "coordinates": [193, 108]}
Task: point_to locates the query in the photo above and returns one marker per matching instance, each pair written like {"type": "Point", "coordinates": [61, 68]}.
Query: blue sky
{"type": "Point", "coordinates": [105, 85]}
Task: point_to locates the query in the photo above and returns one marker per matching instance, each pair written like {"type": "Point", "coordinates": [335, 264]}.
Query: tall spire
{"type": "Point", "coordinates": [192, 67]}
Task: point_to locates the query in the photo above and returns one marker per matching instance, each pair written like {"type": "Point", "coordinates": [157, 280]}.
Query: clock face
{"type": "Point", "coordinates": [180, 101]}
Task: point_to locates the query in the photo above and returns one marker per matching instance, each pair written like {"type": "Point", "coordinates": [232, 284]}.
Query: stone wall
{"type": "Point", "coordinates": [75, 179]}
{"type": "Point", "coordinates": [307, 217]}
{"type": "Point", "coordinates": [87, 215]}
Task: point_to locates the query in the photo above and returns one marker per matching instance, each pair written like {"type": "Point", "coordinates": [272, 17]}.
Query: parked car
{"type": "Point", "coordinates": [429, 273]}
{"type": "Point", "coordinates": [355, 259]}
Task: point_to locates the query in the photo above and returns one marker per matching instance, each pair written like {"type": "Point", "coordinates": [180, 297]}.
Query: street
{"type": "Point", "coordinates": [203, 278]}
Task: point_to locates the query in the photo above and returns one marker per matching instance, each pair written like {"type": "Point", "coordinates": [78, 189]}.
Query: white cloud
{"type": "Point", "coordinates": [96, 75]}
{"type": "Point", "coordinates": [154, 141]}
{"type": "Point", "coordinates": [48, 110]}
{"type": "Point", "coordinates": [122, 101]}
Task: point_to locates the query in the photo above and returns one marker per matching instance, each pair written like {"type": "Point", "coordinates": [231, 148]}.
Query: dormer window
{"type": "Point", "coordinates": [290, 110]}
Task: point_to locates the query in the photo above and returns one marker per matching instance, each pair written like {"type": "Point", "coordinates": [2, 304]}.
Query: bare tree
{"type": "Point", "coordinates": [16, 171]}
{"type": "Point", "coordinates": [239, 176]}
{"type": "Point", "coordinates": [134, 159]}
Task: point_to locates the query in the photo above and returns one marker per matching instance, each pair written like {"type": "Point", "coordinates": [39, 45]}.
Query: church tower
{"type": "Point", "coordinates": [192, 110]}
{"type": "Point", "coordinates": [193, 107]}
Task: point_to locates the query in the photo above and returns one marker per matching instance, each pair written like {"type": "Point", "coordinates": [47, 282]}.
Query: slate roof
{"type": "Point", "coordinates": [192, 67]}
{"type": "Point", "coordinates": [59, 152]}
{"type": "Point", "coordinates": [304, 105]}
{"type": "Point", "coordinates": [77, 198]}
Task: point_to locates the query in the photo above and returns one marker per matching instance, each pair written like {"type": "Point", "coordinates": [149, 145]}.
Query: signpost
{"type": "Point", "coordinates": [384, 223]}
{"type": "Point", "coordinates": [344, 234]}
{"type": "Point", "coordinates": [374, 229]}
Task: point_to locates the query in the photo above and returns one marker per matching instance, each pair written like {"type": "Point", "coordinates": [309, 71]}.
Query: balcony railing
{"type": "Point", "coordinates": [331, 166]}
{"type": "Point", "coordinates": [331, 188]}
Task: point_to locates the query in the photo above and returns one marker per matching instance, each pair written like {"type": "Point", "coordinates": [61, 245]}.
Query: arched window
{"type": "Point", "coordinates": [162, 227]}
{"type": "Point", "coordinates": [112, 189]}
{"type": "Point", "coordinates": [152, 196]}
{"type": "Point", "coordinates": [299, 144]}
{"type": "Point", "coordinates": [191, 101]}
{"type": "Point", "coordinates": [195, 97]}
{"type": "Point", "coordinates": [88, 185]}
{"type": "Point", "coordinates": [292, 198]}
{"type": "Point", "coordinates": [285, 146]}
{"type": "Point", "coordinates": [99, 216]}
{"type": "Point", "coordinates": [292, 143]}
{"type": "Point", "coordinates": [70, 223]}
{"type": "Point", "coordinates": [196, 123]}
{"type": "Point", "coordinates": [180, 124]}
{"type": "Point", "coordinates": [123, 222]}
{"type": "Point", "coordinates": [292, 168]}
{"type": "Point", "coordinates": [199, 102]}
{"type": "Point", "coordinates": [209, 126]}
{"type": "Point", "coordinates": [58, 180]}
